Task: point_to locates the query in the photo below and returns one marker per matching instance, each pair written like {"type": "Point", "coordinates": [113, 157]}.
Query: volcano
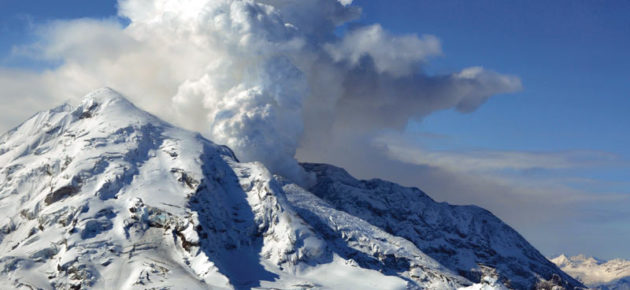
{"type": "Point", "coordinates": [107, 196]}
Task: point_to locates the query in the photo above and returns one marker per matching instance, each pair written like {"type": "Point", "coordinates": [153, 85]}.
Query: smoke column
{"type": "Point", "coordinates": [267, 77]}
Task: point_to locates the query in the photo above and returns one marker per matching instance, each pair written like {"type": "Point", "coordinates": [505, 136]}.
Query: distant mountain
{"type": "Point", "coordinates": [107, 196]}
{"type": "Point", "coordinates": [596, 273]}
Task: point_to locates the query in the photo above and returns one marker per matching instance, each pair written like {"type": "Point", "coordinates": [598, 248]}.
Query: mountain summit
{"type": "Point", "coordinates": [107, 196]}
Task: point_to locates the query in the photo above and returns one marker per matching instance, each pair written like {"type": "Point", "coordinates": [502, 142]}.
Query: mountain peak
{"type": "Point", "coordinates": [105, 188]}
{"type": "Point", "coordinates": [109, 101]}
{"type": "Point", "coordinates": [103, 95]}
{"type": "Point", "coordinates": [560, 260]}
{"type": "Point", "coordinates": [107, 108]}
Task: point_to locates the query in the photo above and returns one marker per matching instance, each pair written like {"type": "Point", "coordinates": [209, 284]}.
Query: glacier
{"type": "Point", "coordinates": [104, 195]}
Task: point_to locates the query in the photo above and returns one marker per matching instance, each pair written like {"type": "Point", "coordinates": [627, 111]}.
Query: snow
{"type": "Point", "coordinates": [487, 283]}
{"type": "Point", "coordinates": [596, 273]}
{"type": "Point", "coordinates": [467, 240]}
{"type": "Point", "coordinates": [107, 196]}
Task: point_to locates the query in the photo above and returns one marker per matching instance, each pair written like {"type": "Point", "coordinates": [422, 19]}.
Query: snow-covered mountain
{"type": "Point", "coordinates": [107, 196]}
{"type": "Point", "coordinates": [596, 273]}
{"type": "Point", "coordinates": [459, 237]}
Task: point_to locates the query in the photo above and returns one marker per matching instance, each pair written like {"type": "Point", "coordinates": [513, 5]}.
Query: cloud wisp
{"type": "Point", "coordinates": [489, 161]}
{"type": "Point", "coordinates": [267, 78]}
{"type": "Point", "coordinates": [547, 196]}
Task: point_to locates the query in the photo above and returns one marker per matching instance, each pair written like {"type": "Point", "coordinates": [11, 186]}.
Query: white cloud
{"type": "Point", "coordinates": [488, 161]}
{"type": "Point", "coordinates": [397, 55]}
{"type": "Point", "coordinates": [501, 181]}
{"type": "Point", "coordinates": [264, 77]}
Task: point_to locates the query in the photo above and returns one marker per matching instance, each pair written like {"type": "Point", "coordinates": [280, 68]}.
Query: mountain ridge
{"type": "Point", "coordinates": [90, 192]}
{"type": "Point", "coordinates": [456, 236]}
{"type": "Point", "coordinates": [596, 273]}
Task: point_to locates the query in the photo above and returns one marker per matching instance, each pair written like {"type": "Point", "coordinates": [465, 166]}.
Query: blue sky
{"type": "Point", "coordinates": [18, 18]}
{"type": "Point", "coordinates": [572, 58]}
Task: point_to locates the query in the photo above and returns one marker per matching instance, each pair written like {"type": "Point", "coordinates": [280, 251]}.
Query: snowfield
{"type": "Point", "coordinates": [107, 196]}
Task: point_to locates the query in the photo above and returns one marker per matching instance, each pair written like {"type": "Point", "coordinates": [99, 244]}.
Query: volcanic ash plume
{"type": "Point", "coordinates": [264, 77]}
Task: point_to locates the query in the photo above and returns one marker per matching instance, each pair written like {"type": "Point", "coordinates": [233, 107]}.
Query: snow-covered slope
{"type": "Point", "coordinates": [468, 240]}
{"type": "Point", "coordinates": [107, 196]}
{"type": "Point", "coordinates": [595, 273]}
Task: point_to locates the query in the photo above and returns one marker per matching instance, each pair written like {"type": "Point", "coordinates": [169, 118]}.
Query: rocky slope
{"type": "Point", "coordinates": [595, 273]}
{"type": "Point", "coordinates": [468, 240]}
{"type": "Point", "coordinates": [107, 196]}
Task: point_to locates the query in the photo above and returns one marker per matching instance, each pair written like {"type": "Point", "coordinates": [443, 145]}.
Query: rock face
{"type": "Point", "coordinates": [107, 196]}
{"type": "Point", "coordinates": [468, 240]}
{"type": "Point", "coordinates": [596, 273]}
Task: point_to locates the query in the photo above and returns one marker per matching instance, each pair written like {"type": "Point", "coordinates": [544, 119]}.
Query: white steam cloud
{"type": "Point", "coordinates": [267, 78]}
